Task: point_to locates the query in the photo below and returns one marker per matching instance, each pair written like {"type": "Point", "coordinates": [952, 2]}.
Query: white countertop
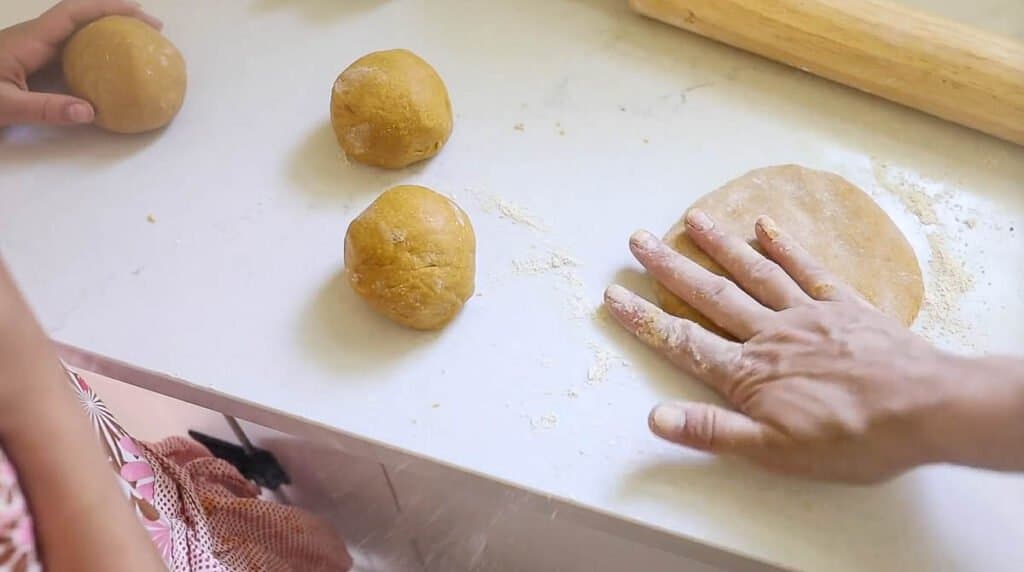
{"type": "Point", "coordinates": [236, 286]}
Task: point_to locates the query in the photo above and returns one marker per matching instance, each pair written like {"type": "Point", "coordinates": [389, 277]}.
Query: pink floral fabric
{"type": "Point", "coordinates": [17, 542]}
{"type": "Point", "coordinates": [200, 512]}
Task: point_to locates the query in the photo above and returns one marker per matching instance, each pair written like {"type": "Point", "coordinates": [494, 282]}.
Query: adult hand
{"type": "Point", "coordinates": [823, 384]}
{"type": "Point", "coordinates": [27, 47]}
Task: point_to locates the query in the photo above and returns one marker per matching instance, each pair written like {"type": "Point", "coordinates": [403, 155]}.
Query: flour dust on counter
{"type": "Point", "coordinates": [943, 220]}
{"type": "Point", "coordinates": [539, 257]}
{"type": "Point", "coordinates": [492, 203]}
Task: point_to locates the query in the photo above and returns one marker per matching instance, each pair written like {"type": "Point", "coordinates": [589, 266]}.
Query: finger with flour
{"type": "Point", "coordinates": [814, 278]}
{"type": "Point", "coordinates": [715, 296]}
{"type": "Point", "coordinates": [697, 351]}
{"type": "Point", "coordinates": [762, 278]}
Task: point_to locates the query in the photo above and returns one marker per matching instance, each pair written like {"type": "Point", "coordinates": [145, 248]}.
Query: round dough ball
{"type": "Point", "coordinates": [412, 255]}
{"type": "Point", "coordinates": [132, 75]}
{"type": "Point", "coordinates": [390, 109]}
{"type": "Point", "coordinates": [835, 221]}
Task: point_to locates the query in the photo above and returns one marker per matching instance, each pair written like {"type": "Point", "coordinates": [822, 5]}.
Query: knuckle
{"type": "Point", "coordinates": [822, 289]}
{"type": "Point", "coordinates": [713, 288]}
{"type": "Point", "coordinates": [702, 432]}
{"type": "Point", "coordinates": [763, 270]}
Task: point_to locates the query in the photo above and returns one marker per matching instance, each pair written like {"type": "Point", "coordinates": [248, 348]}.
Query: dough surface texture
{"type": "Point", "coordinates": [132, 75]}
{"type": "Point", "coordinates": [412, 256]}
{"type": "Point", "coordinates": [391, 109]}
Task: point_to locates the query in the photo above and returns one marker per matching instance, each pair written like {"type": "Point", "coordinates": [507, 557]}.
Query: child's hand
{"type": "Point", "coordinates": [28, 47]}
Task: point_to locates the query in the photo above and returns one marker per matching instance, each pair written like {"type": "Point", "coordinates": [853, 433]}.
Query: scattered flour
{"type": "Point", "coordinates": [552, 260]}
{"type": "Point", "coordinates": [950, 281]}
{"type": "Point", "coordinates": [544, 422]}
{"type": "Point", "coordinates": [604, 361]}
{"type": "Point", "coordinates": [948, 277]}
{"type": "Point", "coordinates": [491, 203]}
{"type": "Point", "coordinates": [910, 193]}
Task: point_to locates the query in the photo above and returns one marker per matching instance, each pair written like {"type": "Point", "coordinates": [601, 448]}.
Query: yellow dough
{"type": "Point", "coordinates": [390, 109]}
{"type": "Point", "coordinates": [835, 221]}
{"type": "Point", "coordinates": [412, 256]}
{"type": "Point", "coordinates": [132, 75]}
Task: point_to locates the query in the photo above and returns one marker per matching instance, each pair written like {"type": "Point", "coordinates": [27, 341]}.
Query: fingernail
{"type": "Point", "coordinates": [615, 294]}
{"type": "Point", "coordinates": [699, 220]}
{"type": "Point", "coordinates": [668, 420]}
{"type": "Point", "coordinates": [768, 227]}
{"type": "Point", "coordinates": [79, 113]}
{"type": "Point", "coordinates": [643, 240]}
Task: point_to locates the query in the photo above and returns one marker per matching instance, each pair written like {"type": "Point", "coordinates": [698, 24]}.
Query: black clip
{"type": "Point", "coordinates": [257, 465]}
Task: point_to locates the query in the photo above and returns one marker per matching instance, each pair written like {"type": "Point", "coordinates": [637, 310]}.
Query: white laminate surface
{"type": "Point", "coordinates": [237, 285]}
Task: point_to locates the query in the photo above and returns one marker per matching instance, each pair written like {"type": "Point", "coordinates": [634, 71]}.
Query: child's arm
{"type": "Point", "coordinates": [83, 521]}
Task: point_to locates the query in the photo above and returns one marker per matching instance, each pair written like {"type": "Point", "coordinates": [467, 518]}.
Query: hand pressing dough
{"type": "Point", "coordinates": [835, 221]}
{"type": "Point", "coordinates": [390, 109]}
{"type": "Point", "coordinates": [132, 75]}
{"type": "Point", "coordinates": [412, 256]}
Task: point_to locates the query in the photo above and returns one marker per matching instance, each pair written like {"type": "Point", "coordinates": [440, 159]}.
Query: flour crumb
{"type": "Point", "coordinates": [150, 218]}
{"type": "Point", "coordinates": [603, 363]}
{"type": "Point", "coordinates": [948, 278]}
{"type": "Point", "coordinates": [564, 266]}
{"type": "Point", "coordinates": [519, 127]}
{"type": "Point", "coordinates": [491, 203]}
{"type": "Point", "coordinates": [949, 282]}
{"type": "Point", "coordinates": [911, 194]}
{"type": "Point", "coordinates": [550, 261]}
{"type": "Point", "coordinates": [544, 422]}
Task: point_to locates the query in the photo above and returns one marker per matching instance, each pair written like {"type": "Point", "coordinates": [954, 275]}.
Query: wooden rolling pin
{"type": "Point", "coordinates": [935, 65]}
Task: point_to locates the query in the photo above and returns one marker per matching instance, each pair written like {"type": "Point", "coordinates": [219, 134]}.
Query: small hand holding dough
{"type": "Point", "coordinates": [30, 46]}
{"type": "Point", "coordinates": [391, 109]}
{"type": "Point", "coordinates": [412, 256]}
{"type": "Point", "coordinates": [133, 76]}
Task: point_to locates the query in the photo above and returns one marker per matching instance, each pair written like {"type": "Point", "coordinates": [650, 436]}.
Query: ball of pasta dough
{"type": "Point", "coordinates": [390, 109]}
{"type": "Point", "coordinates": [132, 75]}
{"type": "Point", "coordinates": [412, 256]}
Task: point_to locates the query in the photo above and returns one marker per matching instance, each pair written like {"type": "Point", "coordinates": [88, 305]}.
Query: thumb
{"type": "Point", "coordinates": [706, 427]}
{"type": "Point", "coordinates": [17, 106]}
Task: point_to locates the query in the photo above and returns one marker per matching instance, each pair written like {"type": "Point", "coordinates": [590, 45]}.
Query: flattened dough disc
{"type": "Point", "coordinates": [835, 221]}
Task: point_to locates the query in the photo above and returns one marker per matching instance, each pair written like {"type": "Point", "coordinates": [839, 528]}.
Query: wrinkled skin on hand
{"type": "Point", "coordinates": [821, 383]}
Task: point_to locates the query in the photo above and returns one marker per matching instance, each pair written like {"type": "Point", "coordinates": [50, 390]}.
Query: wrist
{"type": "Point", "coordinates": [979, 419]}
